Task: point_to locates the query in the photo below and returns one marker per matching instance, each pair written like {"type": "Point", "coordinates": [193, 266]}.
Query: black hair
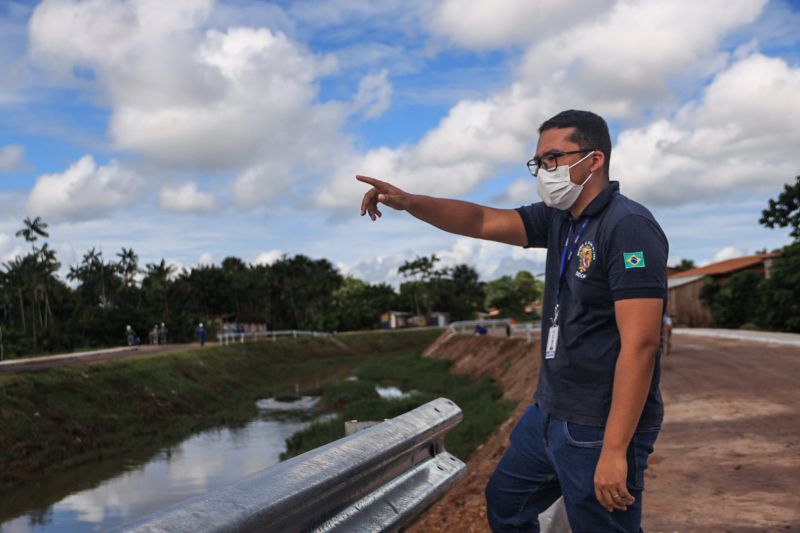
{"type": "Point", "coordinates": [591, 131]}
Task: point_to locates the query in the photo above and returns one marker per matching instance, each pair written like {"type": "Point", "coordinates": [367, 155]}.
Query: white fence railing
{"type": "Point", "coordinates": [468, 326]}
{"type": "Point", "coordinates": [228, 337]}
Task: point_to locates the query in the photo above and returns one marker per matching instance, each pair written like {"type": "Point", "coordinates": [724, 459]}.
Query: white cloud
{"type": "Point", "coordinates": [206, 258]}
{"type": "Point", "coordinates": [83, 191]}
{"type": "Point", "coordinates": [740, 136]}
{"type": "Point", "coordinates": [187, 199]}
{"type": "Point", "coordinates": [490, 259]}
{"type": "Point", "coordinates": [12, 158]}
{"type": "Point", "coordinates": [729, 252]}
{"type": "Point", "coordinates": [493, 259]}
{"type": "Point", "coordinates": [626, 58]}
{"type": "Point", "coordinates": [597, 62]}
{"type": "Point", "coordinates": [499, 23]}
{"type": "Point", "coordinates": [9, 247]}
{"type": "Point", "coordinates": [450, 160]}
{"type": "Point", "coordinates": [374, 94]}
{"type": "Point", "coordinates": [520, 192]}
{"type": "Point", "coordinates": [268, 257]}
{"type": "Point", "coordinates": [240, 100]}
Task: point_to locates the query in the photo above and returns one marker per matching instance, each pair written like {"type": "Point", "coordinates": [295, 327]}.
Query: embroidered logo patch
{"type": "Point", "coordinates": [585, 257]}
{"type": "Point", "coordinates": [633, 259]}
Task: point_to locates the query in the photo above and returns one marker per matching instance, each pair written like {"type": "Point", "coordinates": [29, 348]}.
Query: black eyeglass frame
{"type": "Point", "coordinates": [536, 163]}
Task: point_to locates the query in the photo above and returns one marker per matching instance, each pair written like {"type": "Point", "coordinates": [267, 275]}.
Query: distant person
{"type": "Point", "coordinates": [201, 334]}
{"type": "Point", "coordinates": [154, 334]}
{"type": "Point", "coordinates": [130, 335]}
{"type": "Point", "coordinates": [480, 329]}
{"type": "Point", "coordinates": [666, 334]}
{"type": "Point", "coordinates": [162, 334]}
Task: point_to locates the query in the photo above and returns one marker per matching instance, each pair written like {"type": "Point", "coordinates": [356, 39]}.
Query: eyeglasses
{"type": "Point", "coordinates": [549, 161]}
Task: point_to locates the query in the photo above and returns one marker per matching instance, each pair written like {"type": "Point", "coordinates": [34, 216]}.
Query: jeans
{"type": "Point", "coordinates": [549, 457]}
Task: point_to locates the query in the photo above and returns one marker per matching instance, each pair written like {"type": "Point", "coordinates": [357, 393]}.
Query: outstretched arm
{"type": "Point", "coordinates": [454, 216]}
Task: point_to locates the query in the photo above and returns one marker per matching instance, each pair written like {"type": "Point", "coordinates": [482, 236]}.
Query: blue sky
{"type": "Point", "coordinates": [192, 130]}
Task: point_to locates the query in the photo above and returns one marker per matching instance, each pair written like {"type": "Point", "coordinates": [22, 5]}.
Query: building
{"type": "Point", "coordinates": [395, 319]}
{"type": "Point", "coordinates": [685, 306]}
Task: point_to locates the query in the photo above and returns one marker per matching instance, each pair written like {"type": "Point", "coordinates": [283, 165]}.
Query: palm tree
{"type": "Point", "coordinates": [128, 266]}
{"type": "Point", "coordinates": [33, 230]}
{"type": "Point", "coordinates": [157, 281]}
{"type": "Point", "coordinates": [49, 265]}
{"type": "Point", "coordinates": [15, 273]}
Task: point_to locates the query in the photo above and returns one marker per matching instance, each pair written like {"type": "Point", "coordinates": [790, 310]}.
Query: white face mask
{"type": "Point", "coordinates": [556, 189]}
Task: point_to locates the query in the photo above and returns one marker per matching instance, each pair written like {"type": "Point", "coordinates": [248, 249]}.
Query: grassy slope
{"type": "Point", "coordinates": [58, 418]}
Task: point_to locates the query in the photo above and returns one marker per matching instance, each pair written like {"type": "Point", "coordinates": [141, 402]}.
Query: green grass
{"type": "Point", "coordinates": [480, 401]}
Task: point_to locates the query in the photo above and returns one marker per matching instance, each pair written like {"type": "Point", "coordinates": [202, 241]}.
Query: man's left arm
{"type": "Point", "coordinates": [636, 259]}
{"type": "Point", "coordinates": [639, 323]}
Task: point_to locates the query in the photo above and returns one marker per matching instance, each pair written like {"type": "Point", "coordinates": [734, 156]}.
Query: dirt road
{"type": "Point", "coordinates": [97, 356]}
{"type": "Point", "coordinates": [728, 458]}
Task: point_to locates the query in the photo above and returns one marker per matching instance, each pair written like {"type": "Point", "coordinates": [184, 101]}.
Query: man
{"type": "Point", "coordinates": [666, 334]}
{"type": "Point", "coordinates": [597, 409]}
{"type": "Point", "coordinates": [162, 334]}
{"type": "Point", "coordinates": [201, 334]}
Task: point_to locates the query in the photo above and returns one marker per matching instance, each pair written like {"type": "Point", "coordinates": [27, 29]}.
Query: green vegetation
{"type": "Point", "coordinates": [773, 303]}
{"type": "Point", "coordinates": [41, 314]}
{"type": "Point", "coordinates": [356, 400]}
{"type": "Point", "coordinates": [512, 295]}
{"type": "Point", "coordinates": [57, 418]}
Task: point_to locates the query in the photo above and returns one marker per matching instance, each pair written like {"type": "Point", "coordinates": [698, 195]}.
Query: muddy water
{"type": "Point", "coordinates": [102, 495]}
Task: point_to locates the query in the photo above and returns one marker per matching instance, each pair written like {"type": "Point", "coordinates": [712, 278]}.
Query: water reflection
{"type": "Point", "coordinates": [204, 462]}
{"type": "Point", "coordinates": [392, 393]}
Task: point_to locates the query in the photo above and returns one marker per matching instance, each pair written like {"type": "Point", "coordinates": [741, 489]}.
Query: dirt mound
{"type": "Point", "coordinates": [514, 365]}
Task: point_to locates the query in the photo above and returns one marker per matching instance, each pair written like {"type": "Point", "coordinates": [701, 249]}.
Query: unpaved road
{"type": "Point", "coordinates": [98, 356]}
{"type": "Point", "coordinates": [728, 458]}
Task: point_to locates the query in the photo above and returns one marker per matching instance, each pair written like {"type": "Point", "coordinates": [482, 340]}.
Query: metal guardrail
{"type": "Point", "coordinates": [375, 480]}
{"type": "Point", "coordinates": [231, 336]}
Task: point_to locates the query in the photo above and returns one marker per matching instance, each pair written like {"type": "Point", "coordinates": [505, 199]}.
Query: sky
{"type": "Point", "coordinates": [194, 130]}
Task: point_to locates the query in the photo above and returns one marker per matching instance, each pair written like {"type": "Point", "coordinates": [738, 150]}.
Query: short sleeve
{"type": "Point", "coordinates": [636, 259]}
{"type": "Point", "coordinates": [536, 218]}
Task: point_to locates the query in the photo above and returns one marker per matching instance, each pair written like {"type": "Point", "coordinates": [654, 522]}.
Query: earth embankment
{"type": "Point", "coordinates": [514, 365]}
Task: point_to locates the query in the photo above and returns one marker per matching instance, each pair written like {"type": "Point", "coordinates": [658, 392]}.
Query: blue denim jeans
{"type": "Point", "coordinates": [549, 457]}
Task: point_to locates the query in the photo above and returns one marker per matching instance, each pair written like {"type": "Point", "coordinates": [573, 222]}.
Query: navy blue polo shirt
{"type": "Point", "coordinates": [621, 254]}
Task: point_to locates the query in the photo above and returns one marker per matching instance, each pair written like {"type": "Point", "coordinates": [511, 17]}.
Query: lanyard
{"type": "Point", "coordinates": [566, 257]}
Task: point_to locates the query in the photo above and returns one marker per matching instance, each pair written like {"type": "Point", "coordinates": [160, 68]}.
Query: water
{"type": "Point", "coordinates": [106, 494]}
{"type": "Point", "coordinates": [392, 393]}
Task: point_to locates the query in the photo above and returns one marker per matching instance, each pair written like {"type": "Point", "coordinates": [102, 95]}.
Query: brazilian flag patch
{"type": "Point", "coordinates": [634, 259]}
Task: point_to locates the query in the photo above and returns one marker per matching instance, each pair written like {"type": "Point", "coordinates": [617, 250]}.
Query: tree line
{"type": "Point", "coordinates": [43, 314]}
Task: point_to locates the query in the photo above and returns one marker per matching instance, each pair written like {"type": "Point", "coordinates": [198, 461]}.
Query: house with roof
{"type": "Point", "coordinates": [685, 306]}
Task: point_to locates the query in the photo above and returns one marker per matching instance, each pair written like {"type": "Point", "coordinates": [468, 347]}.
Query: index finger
{"type": "Point", "coordinates": [371, 181]}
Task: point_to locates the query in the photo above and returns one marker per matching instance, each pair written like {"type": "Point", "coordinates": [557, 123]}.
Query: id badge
{"type": "Point", "coordinates": [552, 342]}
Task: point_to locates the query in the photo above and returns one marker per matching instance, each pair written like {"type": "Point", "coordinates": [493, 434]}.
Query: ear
{"type": "Point", "coordinates": [598, 160]}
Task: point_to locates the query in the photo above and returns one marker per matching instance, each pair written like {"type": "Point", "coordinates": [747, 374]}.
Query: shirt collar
{"type": "Point", "coordinates": [599, 202]}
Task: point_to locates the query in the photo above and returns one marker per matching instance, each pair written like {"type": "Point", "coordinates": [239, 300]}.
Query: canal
{"type": "Point", "coordinates": [102, 495]}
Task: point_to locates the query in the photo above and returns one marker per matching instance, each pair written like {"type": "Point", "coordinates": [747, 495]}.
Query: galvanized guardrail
{"type": "Point", "coordinates": [232, 336]}
{"type": "Point", "coordinates": [375, 480]}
